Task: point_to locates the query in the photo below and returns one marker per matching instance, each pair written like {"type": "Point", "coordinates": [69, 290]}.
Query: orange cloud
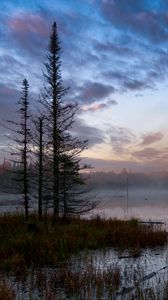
{"type": "Point", "coordinates": [97, 106]}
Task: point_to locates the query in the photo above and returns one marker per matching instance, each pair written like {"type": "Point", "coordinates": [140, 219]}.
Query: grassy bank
{"type": "Point", "coordinates": [44, 244]}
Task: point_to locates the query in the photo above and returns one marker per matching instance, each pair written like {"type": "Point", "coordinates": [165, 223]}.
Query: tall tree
{"type": "Point", "coordinates": [59, 115]}
{"type": "Point", "coordinates": [41, 180]}
{"type": "Point", "coordinates": [38, 146]}
{"type": "Point", "coordinates": [24, 102]}
{"type": "Point", "coordinates": [20, 147]}
{"type": "Point", "coordinates": [63, 149]}
{"type": "Point", "coordinates": [55, 91]}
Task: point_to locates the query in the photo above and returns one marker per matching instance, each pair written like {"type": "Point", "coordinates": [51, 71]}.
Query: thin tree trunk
{"type": "Point", "coordinates": [40, 194]}
{"type": "Point", "coordinates": [64, 194]}
{"type": "Point", "coordinates": [25, 157]}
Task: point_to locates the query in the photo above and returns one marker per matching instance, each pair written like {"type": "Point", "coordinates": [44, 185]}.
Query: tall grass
{"type": "Point", "coordinates": [35, 256]}
{"type": "Point", "coordinates": [90, 283]}
{"type": "Point", "coordinates": [45, 244]}
{"type": "Point", "coordinates": [6, 291]}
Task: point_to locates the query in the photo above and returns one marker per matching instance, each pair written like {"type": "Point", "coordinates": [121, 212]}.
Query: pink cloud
{"type": "Point", "coordinates": [152, 138]}
{"type": "Point", "coordinates": [27, 23]}
{"type": "Point", "coordinates": [97, 106]}
{"type": "Point", "coordinates": [148, 154]}
{"type": "Point", "coordinates": [94, 107]}
{"type": "Point", "coordinates": [6, 91]}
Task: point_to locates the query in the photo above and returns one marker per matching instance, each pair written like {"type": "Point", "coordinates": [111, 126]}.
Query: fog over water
{"type": "Point", "coordinates": [10, 202]}
{"type": "Point", "coordinates": [143, 203]}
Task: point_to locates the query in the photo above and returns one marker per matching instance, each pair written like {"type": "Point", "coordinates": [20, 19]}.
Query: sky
{"type": "Point", "coordinates": [115, 61]}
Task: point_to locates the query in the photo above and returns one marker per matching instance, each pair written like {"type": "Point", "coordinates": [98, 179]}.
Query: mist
{"type": "Point", "coordinates": [119, 181]}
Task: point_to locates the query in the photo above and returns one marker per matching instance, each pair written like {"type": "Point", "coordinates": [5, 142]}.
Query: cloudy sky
{"type": "Point", "coordinates": [115, 61]}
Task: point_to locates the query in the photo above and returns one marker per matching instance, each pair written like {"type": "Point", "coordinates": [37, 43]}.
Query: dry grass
{"type": "Point", "coordinates": [46, 244]}
{"type": "Point", "coordinates": [90, 283]}
{"type": "Point", "coordinates": [6, 291]}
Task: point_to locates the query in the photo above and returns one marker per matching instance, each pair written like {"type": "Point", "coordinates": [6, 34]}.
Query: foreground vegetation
{"type": "Point", "coordinates": [37, 244]}
{"type": "Point", "coordinates": [36, 255]}
{"type": "Point", "coordinates": [90, 283]}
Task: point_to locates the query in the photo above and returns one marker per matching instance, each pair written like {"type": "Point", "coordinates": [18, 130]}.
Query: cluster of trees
{"type": "Point", "coordinates": [118, 181]}
{"type": "Point", "coordinates": [49, 156]}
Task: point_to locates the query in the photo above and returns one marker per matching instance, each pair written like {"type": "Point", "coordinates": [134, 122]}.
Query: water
{"type": "Point", "coordinates": [145, 204]}
{"type": "Point", "coordinates": [149, 270]}
{"type": "Point", "coordinates": [10, 202]}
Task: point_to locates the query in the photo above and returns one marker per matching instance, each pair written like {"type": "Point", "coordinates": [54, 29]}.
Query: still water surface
{"type": "Point", "coordinates": [145, 204]}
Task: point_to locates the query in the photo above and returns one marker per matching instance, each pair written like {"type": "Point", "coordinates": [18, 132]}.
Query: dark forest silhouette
{"type": "Point", "coordinates": [48, 155]}
{"type": "Point", "coordinates": [97, 180]}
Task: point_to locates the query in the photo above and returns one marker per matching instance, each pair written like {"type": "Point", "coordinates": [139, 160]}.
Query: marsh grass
{"type": "Point", "coordinates": [23, 246]}
{"type": "Point", "coordinates": [91, 283]}
{"type": "Point", "coordinates": [6, 291]}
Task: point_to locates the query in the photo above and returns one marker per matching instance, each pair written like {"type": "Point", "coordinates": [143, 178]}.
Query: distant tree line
{"type": "Point", "coordinates": [97, 180]}
{"type": "Point", "coordinates": [50, 169]}
{"type": "Point", "coordinates": [112, 180]}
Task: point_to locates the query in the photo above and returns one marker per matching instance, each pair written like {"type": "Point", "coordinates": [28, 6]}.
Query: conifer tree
{"type": "Point", "coordinates": [59, 115]}
{"type": "Point", "coordinates": [63, 150]}
{"type": "Point", "coordinates": [38, 145]}
{"type": "Point", "coordinates": [25, 132]}
{"type": "Point", "coordinates": [20, 147]}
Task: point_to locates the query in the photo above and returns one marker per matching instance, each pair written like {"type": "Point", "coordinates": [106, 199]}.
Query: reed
{"type": "Point", "coordinates": [41, 243]}
{"type": "Point", "coordinates": [6, 291]}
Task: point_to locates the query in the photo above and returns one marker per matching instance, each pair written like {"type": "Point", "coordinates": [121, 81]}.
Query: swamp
{"type": "Point", "coordinates": [92, 257]}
